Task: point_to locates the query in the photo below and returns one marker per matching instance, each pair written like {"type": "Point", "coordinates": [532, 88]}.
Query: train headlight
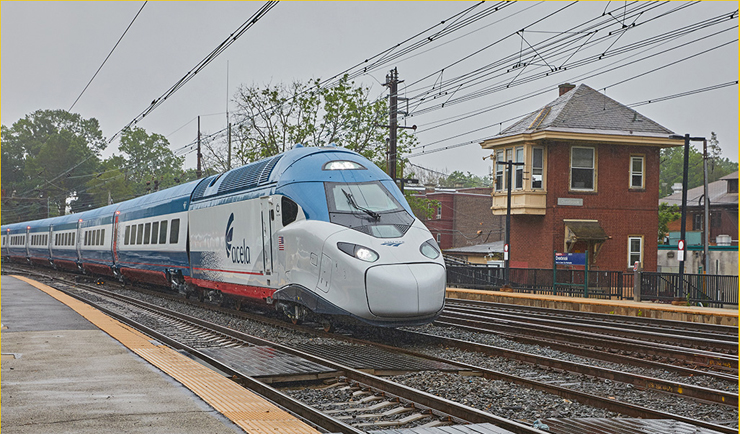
{"type": "Point", "coordinates": [429, 249]}
{"type": "Point", "coordinates": [359, 252]}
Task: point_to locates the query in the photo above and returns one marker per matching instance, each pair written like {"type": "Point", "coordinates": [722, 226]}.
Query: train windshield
{"type": "Point", "coordinates": [367, 207]}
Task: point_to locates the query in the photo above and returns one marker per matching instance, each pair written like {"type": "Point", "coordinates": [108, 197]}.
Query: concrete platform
{"type": "Point", "coordinates": [728, 317]}
{"type": "Point", "coordinates": [61, 374]}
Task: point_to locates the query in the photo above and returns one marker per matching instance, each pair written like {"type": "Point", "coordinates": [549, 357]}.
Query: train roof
{"type": "Point", "coordinates": [300, 164]}
{"type": "Point", "coordinates": [166, 201]}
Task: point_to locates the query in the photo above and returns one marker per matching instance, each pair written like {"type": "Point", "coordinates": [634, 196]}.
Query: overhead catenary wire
{"type": "Point", "coordinates": [637, 104]}
{"type": "Point", "coordinates": [107, 57]}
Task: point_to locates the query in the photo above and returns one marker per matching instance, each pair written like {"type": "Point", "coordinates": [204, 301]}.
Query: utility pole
{"type": "Point", "coordinates": [705, 259]}
{"type": "Point", "coordinates": [391, 80]}
{"type": "Point", "coordinates": [684, 191]}
{"type": "Point", "coordinates": [198, 172]}
{"type": "Point", "coordinates": [228, 160]}
{"type": "Point", "coordinates": [507, 245]}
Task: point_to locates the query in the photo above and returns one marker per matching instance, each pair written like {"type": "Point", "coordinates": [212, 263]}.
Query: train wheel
{"type": "Point", "coordinates": [328, 326]}
{"type": "Point", "coordinates": [296, 321]}
{"type": "Point", "coordinates": [201, 295]}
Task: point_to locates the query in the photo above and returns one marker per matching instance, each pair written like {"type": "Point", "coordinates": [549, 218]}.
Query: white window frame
{"type": "Point", "coordinates": [500, 169]}
{"type": "Point", "coordinates": [538, 170]}
{"type": "Point", "coordinates": [439, 212]}
{"type": "Point", "coordinates": [633, 173]}
{"type": "Point", "coordinates": [630, 253]}
{"type": "Point", "coordinates": [592, 168]}
{"type": "Point", "coordinates": [519, 170]}
{"type": "Point", "coordinates": [439, 238]}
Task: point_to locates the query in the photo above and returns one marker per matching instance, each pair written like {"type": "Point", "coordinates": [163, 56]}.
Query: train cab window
{"type": "Point", "coordinates": [155, 232]}
{"type": "Point", "coordinates": [147, 232]}
{"type": "Point", "coordinates": [99, 238]}
{"type": "Point", "coordinates": [73, 238]}
{"type": "Point", "coordinates": [163, 232]}
{"type": "Point", "coordinates": [126, 234]}
{"type": "Point", "coordinates": [140, 233]}
{"type": "Point", "coordinates": [102, 237]}
{"type": "Point", "coordinates": [367, 207]}
{"type": "Point", "coordinates": [174, 231]}
{"type": "Point", "coordinates": [290, 211]}
{"type": "Point", "coordinates": [87, 238]}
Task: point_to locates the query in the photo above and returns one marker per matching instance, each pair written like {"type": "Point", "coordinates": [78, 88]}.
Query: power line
{"type": "Point", "coordinates": [637, 104]}
{"type": "Point", "coordinates": [106, 57]}
{"type": "Point", "coordinates": [233, 37]}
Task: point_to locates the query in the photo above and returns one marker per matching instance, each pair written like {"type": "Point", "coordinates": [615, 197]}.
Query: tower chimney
{"type": "Point", "coordinates": [565, 88]}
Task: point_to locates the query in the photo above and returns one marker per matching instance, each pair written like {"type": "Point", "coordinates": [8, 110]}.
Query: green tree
{"type": "Point", "coordinates": [47, 155]}
{"type": "Point", "coordinates": [465, 180]}
{"type": "Point", "coordinates": [666, 214]}
{"type": "Point", "coordinates": [273, 119]}
{"type": "Point", "coordinates": [146, 164]}
{"type": "Point", "coordinates": [671, 166]}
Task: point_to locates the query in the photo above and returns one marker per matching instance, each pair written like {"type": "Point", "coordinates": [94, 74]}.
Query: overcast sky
{"type": "Point", "coordinates": [50, 50]}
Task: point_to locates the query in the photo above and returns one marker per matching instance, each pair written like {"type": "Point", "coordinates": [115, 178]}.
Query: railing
{"type": "Point", "coordinates": [601, 284]}
{"type": "Point", "coordinates": [705, 289]}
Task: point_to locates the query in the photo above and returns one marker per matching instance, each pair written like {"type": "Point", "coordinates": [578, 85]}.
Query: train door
{"type": "Point", "coordinates": [51, 243]}
{"type": "Point", "coordinates": [78, 242]}
{"type": "Point", "coordinates": [267, 217]}
{"type": "Point", "coordinates": [48, 242]}
{"type": "Point", "coordinates": [28, 241]}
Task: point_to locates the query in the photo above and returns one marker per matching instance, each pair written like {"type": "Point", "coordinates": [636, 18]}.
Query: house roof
{"type": "Point", "coordinates": [585, 110]}
{"type": "Point", "coordinates": [480, 249]}
{"type": "Point", "coordinates": [718, 194]}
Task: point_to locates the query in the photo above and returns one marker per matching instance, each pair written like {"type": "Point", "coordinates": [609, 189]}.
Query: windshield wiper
{"type": "Point", "coordinates": [352, 202]}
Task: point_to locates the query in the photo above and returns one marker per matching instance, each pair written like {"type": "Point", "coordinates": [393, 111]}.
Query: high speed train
{"type": "Point", "coordinates": [315, 232]}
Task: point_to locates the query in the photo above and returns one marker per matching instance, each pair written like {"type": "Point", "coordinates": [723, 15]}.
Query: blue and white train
{"type": "Point", "coordinates": [313, 231]}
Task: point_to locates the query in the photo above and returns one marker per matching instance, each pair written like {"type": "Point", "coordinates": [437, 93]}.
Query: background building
{"type": "Point", "coordinates": [463, 217]}
{"type": "Point", "coordinates": [589, 181]}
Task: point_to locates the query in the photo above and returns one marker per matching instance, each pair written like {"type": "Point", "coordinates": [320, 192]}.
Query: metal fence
{"type": "Point", "coordinates": [705, 289]}
{"type": "Point", "coordinates": [601, 284]}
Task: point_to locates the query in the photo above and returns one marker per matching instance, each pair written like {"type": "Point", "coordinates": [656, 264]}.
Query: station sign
{"type": "Point", "coordinates": [570, 259]}
{"type": "Point", "coordinates": [681, 248]}
{"type": "Point", "coordinates": [506, 252]}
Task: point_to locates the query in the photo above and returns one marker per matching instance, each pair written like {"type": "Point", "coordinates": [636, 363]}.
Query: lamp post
{"type": "Point", "coordinates": [685, 186]}
{"type": "Point", "coordinates": [507, 245]}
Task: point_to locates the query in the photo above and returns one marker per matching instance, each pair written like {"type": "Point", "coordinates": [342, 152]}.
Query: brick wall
{"type": "Point", "coordinates": [621, 212]}
{"type": "Point", "coordinates": [472, 213]}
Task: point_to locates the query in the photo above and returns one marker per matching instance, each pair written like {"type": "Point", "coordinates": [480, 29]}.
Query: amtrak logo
{"type": "Point", "coordinates": [238, 254]}
{"type": "Point", "coordinates": [229, 234]}
{"type": "Point", "coordinates": [392, 243]}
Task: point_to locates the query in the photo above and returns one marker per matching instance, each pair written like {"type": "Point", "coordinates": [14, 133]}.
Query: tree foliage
{"type": "Point", "coordinates": [458, 179]}
{"type": "Point", "coordinates": [146, 165]}
{"type": "Point", "coordinates": [47, 155]}
{"type": "Point", "coordinates": [272, 119]}
{"type": "Point", "coordinates": [671, 166]}
{"type": "Point", "coordinates": [666, 214]}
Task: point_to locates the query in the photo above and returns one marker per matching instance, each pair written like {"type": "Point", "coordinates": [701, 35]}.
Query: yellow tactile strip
{"type": "Point", "coordinates": [246, 409]}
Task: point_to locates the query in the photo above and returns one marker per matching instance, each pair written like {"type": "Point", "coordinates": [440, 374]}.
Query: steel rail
{"type": "Point", "coordinates": [641, 381]}
{"type": "Point", "coordinates": [714, 329]}
{"type": "Point", "coordinates": [292, 405]}
{"type": "Point", "coordinates": [506, 327]}
{"type": "Point", "coordinates": [727, 343]}
{"type": "Point", "coordinates": [442, 405]}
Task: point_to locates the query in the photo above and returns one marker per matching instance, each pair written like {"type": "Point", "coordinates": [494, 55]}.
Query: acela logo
{"type": "Point", "coordinates": [238, 254]}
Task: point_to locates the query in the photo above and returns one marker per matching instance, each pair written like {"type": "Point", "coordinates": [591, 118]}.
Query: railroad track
{"type": "Point", "coordinates": [524, 330]}
{"type": "Point", "coordinates": [406, 410]}
{"type": "Point", "coordinates": [416, 406]}
{"type": "Point", "coordinates": [686, 334]}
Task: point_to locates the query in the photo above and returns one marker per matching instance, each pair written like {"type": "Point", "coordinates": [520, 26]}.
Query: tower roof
{"type": "Point", "coordinates": [585, 110]}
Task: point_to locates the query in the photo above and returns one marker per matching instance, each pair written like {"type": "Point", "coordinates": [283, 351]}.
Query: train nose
{"type": "Point", "coordinates": [405, 289]}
